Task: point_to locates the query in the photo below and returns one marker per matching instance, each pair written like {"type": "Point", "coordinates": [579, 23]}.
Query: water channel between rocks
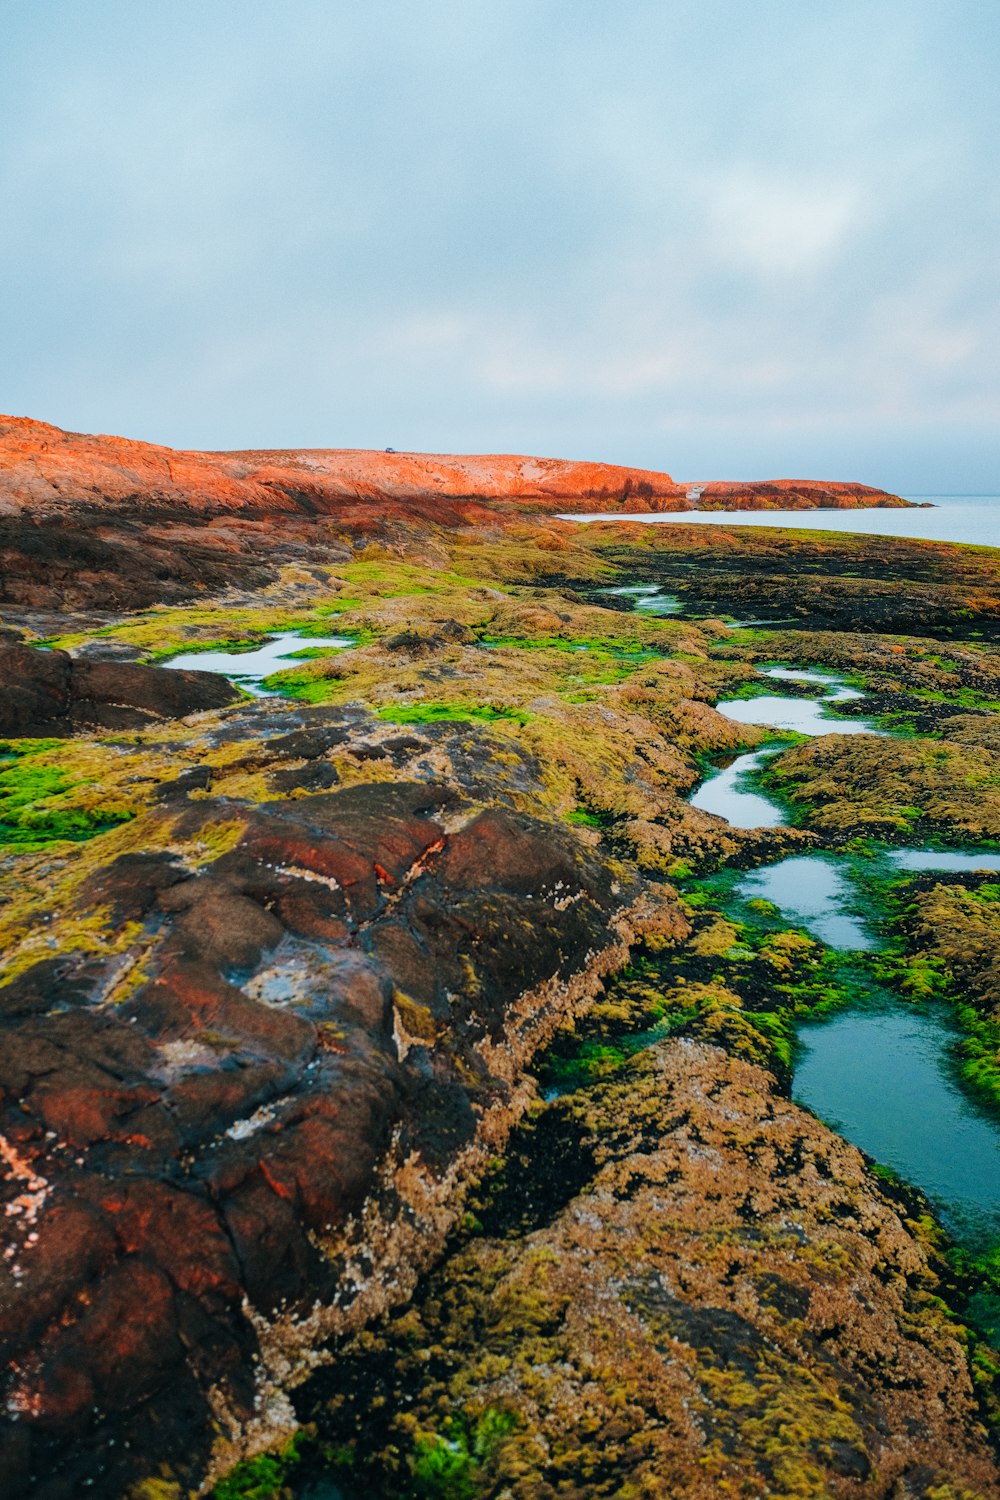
{"type": "Point", "coordinates": [881, 1072]}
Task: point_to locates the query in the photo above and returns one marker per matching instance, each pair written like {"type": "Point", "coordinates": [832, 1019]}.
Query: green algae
{"type": "Point", "coordinates": [163, 632]}
{"type": "Point", "coordinates": [445, 1465]}
{"type": "Point", "coordinates": [392, 579]}
{"type": "Point", "coordinates": [744, 985]}
{"type": "Point", "coordinates": [869, 787]}
{"type": "Point", "coordinates": [40, 802]}
{"type": "Point", "coordinates": [436, 713]}
{"type": "Point", "coordinates": [267, 1475]}
{"type": "Point", "coordinates": [943, 935]}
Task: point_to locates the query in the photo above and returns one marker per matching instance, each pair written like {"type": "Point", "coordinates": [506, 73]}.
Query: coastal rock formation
{"type": "Point", "coordinates": [48, 693]}
{"type": "Point", "coordinates": [788, 494]}
{"type": "Point", "coordinates": [717, 1304]}
{"type": "Point", "coordinates": [107, 521]}
{"type": "Point", "coordinates": [247, 1123]}
{"type": "Point", "coordinates": [815, 581]}
{"type": "Point", "coordinates": [276, 975]}
{"type": "Point", "coordinates": [43, 469]}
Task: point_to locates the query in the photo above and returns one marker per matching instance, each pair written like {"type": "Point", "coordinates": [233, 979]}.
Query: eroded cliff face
{"type": "Point", "coordinates": [276, 975]}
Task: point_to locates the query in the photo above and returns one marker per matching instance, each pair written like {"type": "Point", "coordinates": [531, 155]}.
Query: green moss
{"type": "Point", "coordinates": [237, 645]}
{"type": "Point", "coordinates": [445, 1465]}
{"type": "Point", "coordinates": [434, 713]}
{"type": "Point", "coordinates": [585, 818]}
{"type": "Point", "coordinates": [163, 633]}
{"type": "Point", "coordinates": [265, 1476]}
{"type": "Point", "coordinates": [943, 933]}
{"type": "Point", "coordinates": [392, 579]}
{"type": "Point", "coordinates": [36, 798]}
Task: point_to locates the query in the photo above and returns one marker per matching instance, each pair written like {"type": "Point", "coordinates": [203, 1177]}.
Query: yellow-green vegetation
{"type": "Point", "coordinates": [893, 668]}
{"type": "Point", "coordinates": [48, 911]}
{"type": "Point", "coordinates": [945, 944]}
{"type": "Point", "coordinates": [164, 632]}
{"type": "Point", "coordinates": [53, 792]}
{"type": "Point", "coordinates": [266, 1476]}
{"type": "Point", "coordinates": [585, 1303]}
{"type": "Point", "coordinates": [572, 709]}
{"type": "Point", "coordinates": [437, 713]}
{"type": "Point", "coordinates": [741, 987]}
{"type": "Point", "coordinates": [893, 789]}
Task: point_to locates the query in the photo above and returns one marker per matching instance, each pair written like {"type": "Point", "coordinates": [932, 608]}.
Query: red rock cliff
{"type": "Point", "coordinates": [45, 470]}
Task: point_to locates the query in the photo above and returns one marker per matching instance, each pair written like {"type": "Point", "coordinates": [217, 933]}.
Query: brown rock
{"type": "Point", "coordinates": [207, 1153]}
{"type": "Point", "coordinates": [48, 693]}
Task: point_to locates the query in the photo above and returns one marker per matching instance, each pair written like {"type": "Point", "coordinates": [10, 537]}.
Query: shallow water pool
{"type": "Point", "coordinates": [649, 598]}
{"type": "Point", "coordinates": [885, 1079]}
{"type": "Point", "coordinates": [947, 861]}
{"type": "Point", "coordinates": [803, 715]}
{"type": "Point", "coordinates": [247, 669]}
{"type": "Point", "coordinates": [817, 893]}
{"type": "Point", "coordinates": [728, 795]}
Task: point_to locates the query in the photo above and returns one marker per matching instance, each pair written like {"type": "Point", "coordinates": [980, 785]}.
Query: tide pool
{"type": "Point", "coordinates": [247, 669]}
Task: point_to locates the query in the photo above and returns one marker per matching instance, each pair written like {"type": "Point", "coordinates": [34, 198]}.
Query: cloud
{"type": "Point", "coordinates": [737, 233]}
{"type": "Point", "coordinates": [775, 226]}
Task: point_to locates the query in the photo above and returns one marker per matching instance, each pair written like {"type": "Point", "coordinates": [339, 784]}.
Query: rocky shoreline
{"type": "Point", "coordinates": [279, 975]}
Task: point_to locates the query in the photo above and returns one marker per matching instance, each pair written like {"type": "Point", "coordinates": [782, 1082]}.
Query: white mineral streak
{"type": "Point", "coordinates": [248, 1127]}
{"type": "Point", "coordinates": [28, 1203]}
{"type": "Point", "coordinates": [23, 1209]}
{"type": "Point", "coordinates": [298, 872]}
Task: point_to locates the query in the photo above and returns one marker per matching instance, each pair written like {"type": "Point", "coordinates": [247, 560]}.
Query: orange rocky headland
{"type": "Point", "coordinates": [43, 469]}
{"type": "Point", "coordinates": [110, 522]}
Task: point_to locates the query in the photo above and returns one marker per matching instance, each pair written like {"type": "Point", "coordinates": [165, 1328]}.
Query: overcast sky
{"type": "Point", "coordinates": [722, 238]}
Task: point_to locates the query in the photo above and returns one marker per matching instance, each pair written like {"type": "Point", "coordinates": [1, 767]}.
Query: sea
{"type": "Point", "coordinates": [972, 519]}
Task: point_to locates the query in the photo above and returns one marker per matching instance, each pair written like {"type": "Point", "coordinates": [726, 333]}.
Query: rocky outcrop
{"type": "Point", "coordinates": [274, 978]}
{"type": "Point", "coordinates": [248, 1125]}
{"type": "Point", "coordinates": [45, 470]}
{"type": "Point", "coordinates": [789, 494]}
{"type": "Point", "coordinates": [714, 1299]}
{"type": "Point", "coordinates": [812, 580]}
{"type": "Point", "coordinates": [48, 693]}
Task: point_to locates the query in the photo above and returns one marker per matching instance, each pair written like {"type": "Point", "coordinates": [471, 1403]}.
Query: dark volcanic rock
{"type": "Point", "coordinates": [199, 1159]}
{"type": "Point", "coordinates": [49, 693]}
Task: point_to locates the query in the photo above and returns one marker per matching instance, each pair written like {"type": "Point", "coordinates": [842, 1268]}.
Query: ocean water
{"type": "Point", "coordinates": [972, 519]}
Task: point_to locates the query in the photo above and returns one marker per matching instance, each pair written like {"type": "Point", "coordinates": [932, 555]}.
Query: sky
{"type": "Point", "coordinates": [724, 239]}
